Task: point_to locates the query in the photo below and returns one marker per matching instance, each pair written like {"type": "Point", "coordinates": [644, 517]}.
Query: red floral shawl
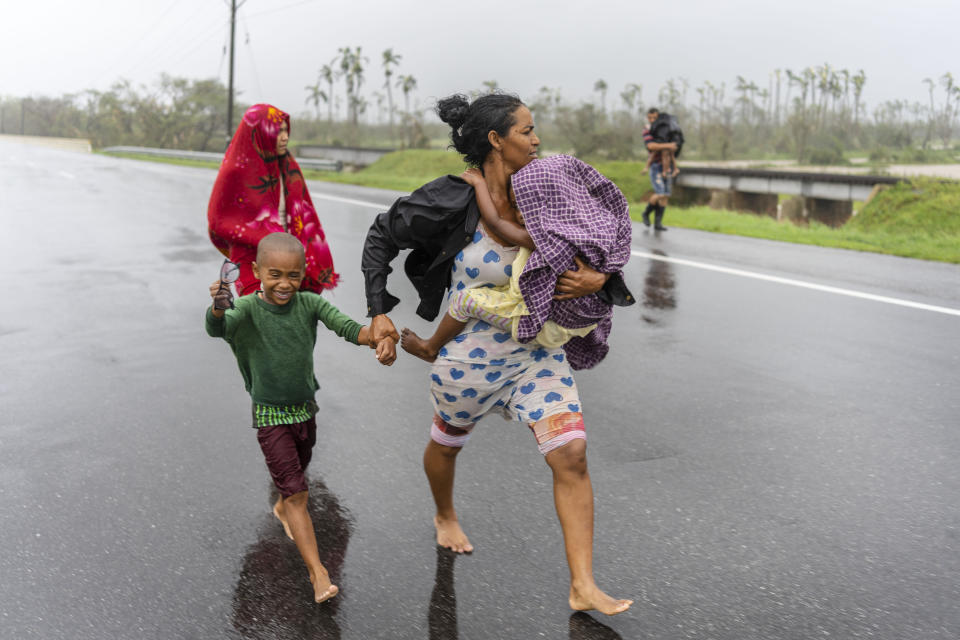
{"type": "Point", "coordinates": [245, 203]}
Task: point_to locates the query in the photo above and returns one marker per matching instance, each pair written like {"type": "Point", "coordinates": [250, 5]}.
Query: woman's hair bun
{"type": "Point", "coordinates": [453, 110]}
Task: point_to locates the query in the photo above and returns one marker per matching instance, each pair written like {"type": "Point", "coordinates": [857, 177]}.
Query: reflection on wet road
{"type": "Point", "coordinates": [658, 288]}
{"type": "Point", "coordinates": [442, 621]}
{"type": "Point", "coordinates": [274, 597]}
{"type": "Point", "coordinates": [583, 627]}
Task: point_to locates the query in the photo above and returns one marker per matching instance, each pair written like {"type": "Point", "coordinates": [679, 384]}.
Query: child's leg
{"type": "Point", "coordinates": [667, 162]}
{"type": "Point", "coordinates": [287, 449]}
{"type": "Point", "coordinates": [462, 308]}
{"type": "Point", "coordinates": [301, 526]}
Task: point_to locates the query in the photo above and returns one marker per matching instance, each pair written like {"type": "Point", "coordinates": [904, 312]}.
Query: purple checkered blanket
{"type": "Point", "coordinates": [570, 209]}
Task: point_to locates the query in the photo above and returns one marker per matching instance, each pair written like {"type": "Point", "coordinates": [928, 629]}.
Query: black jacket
{"type": "Point", "coordinates": [436, 221]}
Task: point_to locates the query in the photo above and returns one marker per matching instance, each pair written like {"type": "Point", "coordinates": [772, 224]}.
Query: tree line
{"type": "Point", "coordinates": [814, 115]}
{"type": "Point", "coordinates": [817, 114]}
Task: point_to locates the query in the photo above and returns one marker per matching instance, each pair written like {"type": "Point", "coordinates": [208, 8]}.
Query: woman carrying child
{"type": "Point", "coordinates": [484, 370]}
{"type": "Point", "coordinates": [574, 212]}
{"type": "Point", "coordinates": [260, 190]}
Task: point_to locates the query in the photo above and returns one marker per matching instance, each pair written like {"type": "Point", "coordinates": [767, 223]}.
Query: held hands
{"type": "Point", "coordinates": [386, 351]}
{"type": "Point", "coordinates": [579, 282]}
{"type": "Point", "coordinates": [383, 337]}
{"type": "Point", "coordinates": [222, 298]}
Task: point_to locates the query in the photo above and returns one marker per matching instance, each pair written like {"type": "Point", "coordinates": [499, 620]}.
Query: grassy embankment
{"type": "Point", "coordinates": [917, 220]}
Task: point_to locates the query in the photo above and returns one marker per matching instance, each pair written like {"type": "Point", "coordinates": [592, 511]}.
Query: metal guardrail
{"type": "Point", "coordinates": [320, 164]}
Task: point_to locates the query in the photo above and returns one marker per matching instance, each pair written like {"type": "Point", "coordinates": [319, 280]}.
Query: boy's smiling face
{"type": "Point", "coordinates": [280, 274]}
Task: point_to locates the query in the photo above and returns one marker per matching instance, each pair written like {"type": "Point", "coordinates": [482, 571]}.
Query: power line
{"type": "Point", "coordinates": [133, 44]}
{"type": "Point", "coordinates": [164, 42]}
{"type": "Point", "coordinates": [277, 9]}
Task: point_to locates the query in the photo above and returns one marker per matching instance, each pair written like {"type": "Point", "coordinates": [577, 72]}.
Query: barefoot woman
{"type": "Point", "coordinates": [483, 370]}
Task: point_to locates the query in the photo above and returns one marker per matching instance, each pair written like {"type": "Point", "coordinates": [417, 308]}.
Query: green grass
{"type": "Point", "coordinates": [916, 243]}
{"type": "Point", "coordinates": [633, 181]}
{"type": "Point", "coordinates": [400, 170]}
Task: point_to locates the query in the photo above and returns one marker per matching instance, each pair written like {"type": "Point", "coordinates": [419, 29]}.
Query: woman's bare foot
{"type": "Point", "coordinates": [416, 346]}
{"type": "Point", "coordinates": [451, 536]}
{"type": "Point", "coordinates": [590, 597]}
{"type": "Point", "coordinates": [323, 589]}
{"type": "Point", "coordinates": [278, 511]}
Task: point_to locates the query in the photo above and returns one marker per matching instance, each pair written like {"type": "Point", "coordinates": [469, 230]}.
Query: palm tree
{"type": "Point", "coordinates": [600, 86]}
{"type": "Point", "coordinates": [930, 86]}
{"type": "Point", "coordinates": [329, 75]}
{"type": "Point", "coordinates": [407, 84]}
{"type": "Point", "coordinates": [859, 79]}
{"type": "Point", "coordinates": [390, 60]}
{"type": "Point", "coordinates": [316, 94]}
{"type": "Point", "coordinates": [631, 96]}
{"type": "Point", "coordinates": [351, 68]}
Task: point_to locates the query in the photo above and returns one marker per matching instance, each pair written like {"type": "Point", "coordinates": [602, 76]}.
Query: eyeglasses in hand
{"type": "Point", "coordinates": [229, 272]}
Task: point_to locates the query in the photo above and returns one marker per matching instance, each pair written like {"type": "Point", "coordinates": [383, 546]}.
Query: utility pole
{"type": "Point", "coordinates": [233, 25]}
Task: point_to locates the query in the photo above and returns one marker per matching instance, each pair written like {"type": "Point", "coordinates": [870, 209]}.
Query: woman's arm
{"type": "Point", "coordinates": [506, 229]}
{"type": "Point", "coordinates": [579, 282]}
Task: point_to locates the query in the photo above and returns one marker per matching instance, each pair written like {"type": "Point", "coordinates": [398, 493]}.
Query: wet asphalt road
{"type": "Point", "coordinates": [769, 462]}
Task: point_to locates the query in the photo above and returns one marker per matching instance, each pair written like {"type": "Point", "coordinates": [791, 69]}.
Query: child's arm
{"type": "Point", "coordinates": [509, 231]}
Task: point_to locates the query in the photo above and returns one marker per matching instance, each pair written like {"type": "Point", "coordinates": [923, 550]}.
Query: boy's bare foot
{"type": "Point", "coordinates": [451, 536]}
{"type": "Point", "coordinates": [323, 589]}
{"type": "Point", "coordinates": [416, 346]}
{"type": "Point", "coordinates": [278, 511]}
{"type": "Point", "coordinates": [591, 598]}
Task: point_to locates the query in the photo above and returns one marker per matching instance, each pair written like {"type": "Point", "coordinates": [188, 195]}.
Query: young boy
{"type": "Point", "coordinates": [272, 334]}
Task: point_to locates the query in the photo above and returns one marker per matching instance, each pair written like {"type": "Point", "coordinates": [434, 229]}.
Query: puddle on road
{"type": "Point", "coordinates": [273, 597]}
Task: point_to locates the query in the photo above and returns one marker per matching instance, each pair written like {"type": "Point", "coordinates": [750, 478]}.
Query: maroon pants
{"type": "Point", "coordinates": [287, 449]}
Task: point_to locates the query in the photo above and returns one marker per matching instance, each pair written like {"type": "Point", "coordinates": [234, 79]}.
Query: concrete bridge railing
{"type": "Point", "coordinates": [825, 197]}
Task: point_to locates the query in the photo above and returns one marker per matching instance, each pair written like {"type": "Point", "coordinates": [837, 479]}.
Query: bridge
{"type": "Point", "coordinates": [825, 197]}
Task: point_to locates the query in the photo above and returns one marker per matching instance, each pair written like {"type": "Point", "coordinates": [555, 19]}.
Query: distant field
{"type": "Point", "coordinates": [920, 219]}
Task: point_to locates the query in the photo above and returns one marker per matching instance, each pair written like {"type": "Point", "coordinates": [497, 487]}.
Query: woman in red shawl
{"type": "Point", "coordinates": [259, 190]}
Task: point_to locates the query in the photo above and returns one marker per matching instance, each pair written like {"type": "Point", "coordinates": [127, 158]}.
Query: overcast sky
{"type": "Point", "coordinates": [51, 47]}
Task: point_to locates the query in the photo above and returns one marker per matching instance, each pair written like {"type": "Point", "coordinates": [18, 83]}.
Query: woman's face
{"type": "Point", "coordinates": [520, 144]}
{"type": "Point", "coordinates": [282, 138]}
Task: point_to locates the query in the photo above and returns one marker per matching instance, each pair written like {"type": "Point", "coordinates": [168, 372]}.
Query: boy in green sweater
{"type": "Point", "coordinates": [272, 334]}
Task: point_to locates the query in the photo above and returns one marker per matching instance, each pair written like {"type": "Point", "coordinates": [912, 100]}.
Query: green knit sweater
{"type": "Point", "coordinates": [274, 344]}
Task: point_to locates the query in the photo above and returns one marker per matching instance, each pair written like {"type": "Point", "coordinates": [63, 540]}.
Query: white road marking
{"type": "Point", "coordinates": [67, 175]}
{"type": "Point", "coordinates": [361, 203]}
{"type": "Point", "coordinates": [799, 283]}
{"type": "Point", "coordinates": [734, 272]}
